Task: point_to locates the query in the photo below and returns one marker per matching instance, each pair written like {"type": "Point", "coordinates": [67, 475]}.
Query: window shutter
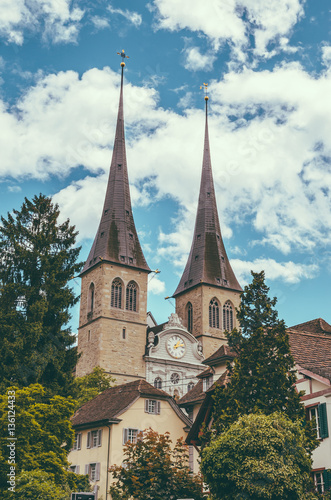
{"type": "Point", "coordinates": [146, 405]}
{"type": "Point", "coordinates": [77, 469]}
{"type": "Point", "coordinates": [125, 435]}
{"type": "Point", "coordinates": [323, 420]}
{"type": "Point", "coordinates": [99, 437]}
{"type": "Point", "coordinates": [158, 407]}
{"type": "Point", "coordinates": [79, 440]}
{"type": "Point", "coordinates": [97, 471]}
{"type": "Point", "coordinates": [88, 445]}
{"type": "Point", "coordinates": [87, 466]}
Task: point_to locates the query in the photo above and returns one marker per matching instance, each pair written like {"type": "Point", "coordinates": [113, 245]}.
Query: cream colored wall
{"type": "Point", "coordinates": [100, 337]}
{"type": "Point", "coordinates": [136, 418]}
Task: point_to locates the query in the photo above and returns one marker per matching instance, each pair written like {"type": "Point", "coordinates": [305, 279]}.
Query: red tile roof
{"type": "Point", "coordinates": [317, 325]}
{"type": "Point", "coordinates": [222, 354]}
{"type": "Point", "coordinates": [311, 351]}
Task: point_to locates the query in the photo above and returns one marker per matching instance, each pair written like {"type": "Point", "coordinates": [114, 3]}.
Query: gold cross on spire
{"type": "Point", "coordinates": [123, 56]}
{"type": "Point", "coordinates": [204, 86]}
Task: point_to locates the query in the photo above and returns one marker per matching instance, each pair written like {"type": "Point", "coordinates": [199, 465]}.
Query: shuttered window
{"type": "Point", "coordinates": [94, 438]}
{"type": "Point", "coordinates": [131, 435]}
{"type": "Point", "coordinates": [93, 471]}
{"type": "Point", "coordinates": [77, 441]}
{"type": "Point", "coordinates": [152, 406]}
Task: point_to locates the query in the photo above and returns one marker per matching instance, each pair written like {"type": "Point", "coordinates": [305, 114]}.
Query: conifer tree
{"type": "Point", "coordinates": [262, 376]}
{"type": "Point", "coordinates": [38, 258]}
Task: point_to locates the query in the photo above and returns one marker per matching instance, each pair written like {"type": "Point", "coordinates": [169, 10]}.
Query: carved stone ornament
{"type": "Point", "coordinates": [200, 348]}
{"type": "Point", "coordinates": [174, 322]}
{"type": "Point", "coordinates": [151, 339]}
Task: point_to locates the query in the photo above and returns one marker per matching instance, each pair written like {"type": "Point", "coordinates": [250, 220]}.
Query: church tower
{"type": "Point", "coordinates": [208, 291]}
{"type": "Point", "coordinates": [113, 306]}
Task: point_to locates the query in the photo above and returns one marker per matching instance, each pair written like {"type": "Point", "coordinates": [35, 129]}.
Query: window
{"type": "Point", "coordinates": [93, 471]}
{"type": "Point", "coordinates": [131, 297]}
{"type": "Point", "coordinates": [174, 378]}
{"type": "Point", "coordinates": [190, 386]}
{"type": "Point", "coordinates": [90, 301]}
{"type": "Point", "coordinates": [94, 438]}
{"type": "Point", "coordinates": [124, 333]}
{"type": "Point", "coordinates": [319, 414]}
{"type": "Point", "coordinates": [207, 382]}
{"type": "Point", "coordinates": [130, 435]}
{"type": "Point", "coordinates": [74, 468]}
{"type": "Point", "coordinates": [152, 406]}
{"type": "Point", "coordinates": [158, 383]}
{"type": "Point", "coordinates": [77, 441]}
{"type": "Point", "coordinates": [322, 480]}
{"type": "Point", "coordinates": [227, 316]}
{"type": "Point", "coordinates": [116, 293]}
{"type": "Point", "coordinates": [214, 315]}
{"type": "Point", "coordinates": [189, 317]}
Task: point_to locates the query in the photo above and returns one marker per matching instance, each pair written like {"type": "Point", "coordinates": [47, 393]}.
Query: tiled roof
{"type": "Point", "coordinates": [311, 351]}
{"type": "Point", "coordinates": [116, 239]}
{"type": "Point", "coordinates": [193, 396]}
{"type": "Point", "coordinates": [207, 262]}
{"type": "Point", "coordinates": [114, 401]}
{"type": "Point", "coordinates": [222, 354]}
{"type": "Point", "coordinates": [317, 325]}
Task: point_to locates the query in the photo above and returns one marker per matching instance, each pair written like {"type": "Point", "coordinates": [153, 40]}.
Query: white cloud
{"type": "Point", "coordinates": [155, 285]}
{"type": "Point", "coordinates": [326, 55]}
{"type": "Point", "coordinates": [195, 61]}
{"type": "Point", "coordinates": [133, 17]}
{"type": "Point", "coordinates": [223, 21]}
{"type": "Point", "coordinates": [56, 19]}
{"type": "Point", "coordinates": [288, 272]}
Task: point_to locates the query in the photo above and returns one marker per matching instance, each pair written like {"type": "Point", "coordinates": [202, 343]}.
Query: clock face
{"type": "Point", "coordinates": [176, 346]}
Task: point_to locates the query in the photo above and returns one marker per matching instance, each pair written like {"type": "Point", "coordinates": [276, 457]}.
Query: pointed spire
{"type": "Point", "coordinates": [116, 239]}
{"type": "Point", "coordinates": [207, 262]}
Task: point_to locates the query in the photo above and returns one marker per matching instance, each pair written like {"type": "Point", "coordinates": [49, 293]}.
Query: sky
{"type": "Point", "coordinates": [268, 66]}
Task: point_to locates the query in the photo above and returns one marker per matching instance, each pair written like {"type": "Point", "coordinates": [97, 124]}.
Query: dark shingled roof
{"type": "Point", "coordinates": [222, 354]}
{"type": "Point", "coordinates": [111, 403]}
{"type": "Point", "coordinates": [317, 325]}
{"type": "Point", "coordinates": [311, 351]}
{"type": "Point", "coordinates": [116, 239]}
{"type": "Point", "coordinates": [193, 396]}
{"type": "Point", "coordinates": [208, 262]}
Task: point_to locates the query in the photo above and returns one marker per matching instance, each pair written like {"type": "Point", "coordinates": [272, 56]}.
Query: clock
{"type": "Point", "coordinates": [176, 346]}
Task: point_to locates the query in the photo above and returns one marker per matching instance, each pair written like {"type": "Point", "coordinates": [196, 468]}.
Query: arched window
{"type": "Point", "coordinates": [131, 297]}
{"type": "Point", "coordinates": [116, 293]}
{"type": "Point", "coordinates": [190, 386]}
{"type": "Point", "coordinates": [158, 383]}
{"type": "Point", "coordinates": [90, 304]}
{"type": "Point", "coordinates": [214, 314]}
{"type": "Point", "coordinates": [189, 309]}
{"type": "Point", "coordinates": [227, 316]}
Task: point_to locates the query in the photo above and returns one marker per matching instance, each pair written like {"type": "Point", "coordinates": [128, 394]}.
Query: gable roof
{"type": "Point", "coordinates": [224, 353]}
{"type": "Point", "coordinates": [110, 404]}
{"type": "Point", "coordinates": [311, 351]}
{"type": "Point", "coordinates": [317, 325]}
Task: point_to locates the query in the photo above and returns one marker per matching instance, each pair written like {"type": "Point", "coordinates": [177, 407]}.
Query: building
{"type": "Point", "coordinates": [310, 345]}
{"type": "Point", "coordinates": [104, 424]}
{"type": "Point", "coordinates": [113, 327]}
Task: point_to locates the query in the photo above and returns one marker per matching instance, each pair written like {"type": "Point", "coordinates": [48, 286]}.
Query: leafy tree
{"type": "Point", "coordinates": [43, 435]}
{"type": "Point", "coordinates": [258, 457]}
{"type": "Point", "coordinates": [38, 485]}
{"type": "Point", "coordinates": [38, 259]}
{"type": "Point", "coordinates": [152, 470]}
{"type": "Point", "coordinates": [89, 386]}
{"type": "Point", "coordinates": [262, 376]}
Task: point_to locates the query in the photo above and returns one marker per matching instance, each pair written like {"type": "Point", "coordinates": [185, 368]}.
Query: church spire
{"type": "Point", "coordinates": [207, 262]}
{"type": "Point", "coordinates": [116, 240]}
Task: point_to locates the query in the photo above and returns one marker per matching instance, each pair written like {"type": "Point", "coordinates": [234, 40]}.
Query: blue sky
{"type": "Point", "coordinates": [268, 65]}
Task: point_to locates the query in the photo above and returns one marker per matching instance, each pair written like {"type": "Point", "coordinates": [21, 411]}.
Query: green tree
{"type": "Point", "coordinates": [152, 470]}
{"type": "Point", "coordinates": [43, 435]}
{"type": "Point", "coordinates": [259, 457]}
{"type": "Point", "coordinates": [38, 485]}
{"type": "Point", "coordinates": [262, 376]}
{"type": "Point", "coordinates": [38, 259]}
{"type": "Point", "coordinates": [89, 386]}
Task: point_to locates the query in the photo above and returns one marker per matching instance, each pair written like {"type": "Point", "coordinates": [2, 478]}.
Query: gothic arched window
{"type": "Point", "coordinates": [158, 383]}
{"type": "Point", "coordinates": [131, 297]}
{"type": "Point", "coordinates": [227, 316]}
{"type": "Point", "coordinates": [116, 293]}
{"type": "Point", "coordinates": [214, 314]}
{"type": "Point", "coordinates": [189, 309]}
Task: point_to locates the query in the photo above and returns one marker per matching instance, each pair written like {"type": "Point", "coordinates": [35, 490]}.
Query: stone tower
{"type": "Point", "coordinates": [208, 291]}
{"type": "Point", "coordinates": [113, 307]}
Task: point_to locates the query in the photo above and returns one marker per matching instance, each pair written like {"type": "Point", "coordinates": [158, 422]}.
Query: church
{"type": "Point", "coordinates": [115, 330]}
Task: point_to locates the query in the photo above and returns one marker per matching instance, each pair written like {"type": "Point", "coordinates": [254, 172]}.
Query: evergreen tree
{"type": "Point", "coordinates": [262, 376]}
{"type": "Point", "coordinates": [38, 259]}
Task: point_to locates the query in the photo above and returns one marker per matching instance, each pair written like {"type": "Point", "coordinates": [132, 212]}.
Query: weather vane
{"type": "Point", "coordinates": [123, 56]}
{"type": "Point", "coordinates": [205, 87]}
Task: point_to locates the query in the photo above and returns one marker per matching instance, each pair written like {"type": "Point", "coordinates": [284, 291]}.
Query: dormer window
{"type": "Point", "coordinates": [208, 382]}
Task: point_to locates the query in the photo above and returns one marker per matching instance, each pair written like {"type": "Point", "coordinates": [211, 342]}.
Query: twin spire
{"type": "Point", "coordinates": [117, 241]}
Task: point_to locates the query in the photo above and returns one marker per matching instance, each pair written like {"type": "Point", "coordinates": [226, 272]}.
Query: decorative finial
{"type": "Point", "coordinates": [205, 87]}
{"type": "Point", "coordinates": [123, 56]}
